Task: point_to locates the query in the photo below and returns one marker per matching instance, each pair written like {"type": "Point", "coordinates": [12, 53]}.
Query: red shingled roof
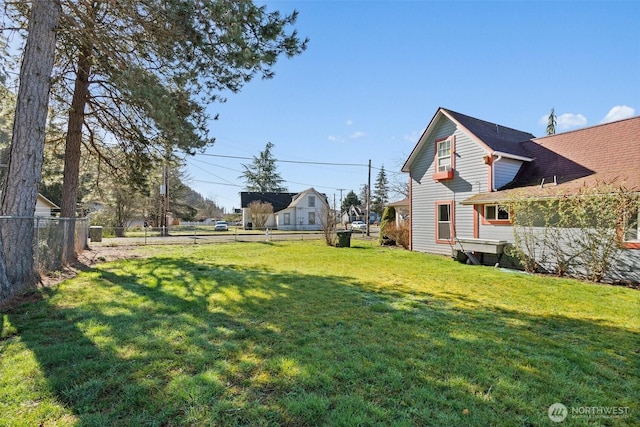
{"type": "Point", "coordinates": [607, 153]}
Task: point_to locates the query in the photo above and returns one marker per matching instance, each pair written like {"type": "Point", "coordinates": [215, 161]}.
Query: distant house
{"type": "Point", "coordinates": [464, 170]}
{"type": "Point", "coordinates": [291, 211]}
{"type": "Point", "coordinates": [402, 210]}
{"type": "Point", "coordinates": [353, 213]}
{"type": "Point", "coordinates": [45, 207]}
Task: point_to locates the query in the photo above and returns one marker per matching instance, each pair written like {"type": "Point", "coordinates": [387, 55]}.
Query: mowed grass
{"type": "Point", "coordinates": [301, 334]}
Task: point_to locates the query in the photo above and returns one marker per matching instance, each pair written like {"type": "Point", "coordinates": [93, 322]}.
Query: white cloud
{"type": "Point", "coordinates": [565, 121]}
{"type": "Point", "coordinates": [357, 135]}
{"type": "Point", "coordinates": [568, 120]}
{"type": "Point", "coordinates": [349, 122]}
{"type": "Point", "coordinates": [332, 138]}
{"type": "Point", "coordinates": [619, 112]}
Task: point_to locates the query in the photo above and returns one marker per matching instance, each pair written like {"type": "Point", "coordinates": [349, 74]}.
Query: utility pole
{"type": "Point", "coordinates": [340, 190]}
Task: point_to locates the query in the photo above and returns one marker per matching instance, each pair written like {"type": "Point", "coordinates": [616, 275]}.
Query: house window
{"type": "Point", "coordinates": [444, 160]}
{"type": "Point", "coordinates": [444, 155]}
{"type": "Point", "coordinates": [312, 218]}
{"type": "Point", "coordinates": [633, 230]}
{"type": "Point", "coordinates": [444, 222]}
{"type": "Point", "coordinates": [312, 201]}
{"type": "Point", "coordinates": [286, 218]}
{"type": "Point", "coordinates": [497, 213]}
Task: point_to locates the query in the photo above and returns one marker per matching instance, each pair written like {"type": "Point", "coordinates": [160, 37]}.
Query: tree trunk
{"type": "Point", "coordinates": [27, 145]}
{"type": "Point", "coordinates": [73, 150]}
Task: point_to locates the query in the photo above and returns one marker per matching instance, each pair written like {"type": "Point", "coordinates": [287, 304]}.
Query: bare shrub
{"type": "Point", "coordinates": [398, 233]}
{"type": "Point", "coordinates": [259, 212]}
{"type": "Point", "coordinates": [329, 221]}
{"type": "Point", "coordinates": [581, 233]}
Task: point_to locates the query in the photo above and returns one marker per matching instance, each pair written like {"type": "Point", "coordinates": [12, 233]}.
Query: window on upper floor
{"type": "Point", "coordinates": [312, 201]}
{"type": "Point", "coordinates": [444, 158]}
{"type": "Point", "coordinates": [444, 155]}
{"type": "Point", "coordinates": [497, 213]}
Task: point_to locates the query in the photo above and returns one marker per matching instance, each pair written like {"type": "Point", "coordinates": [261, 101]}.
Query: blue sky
{"type": "Point", "coordinates": [375, 73]}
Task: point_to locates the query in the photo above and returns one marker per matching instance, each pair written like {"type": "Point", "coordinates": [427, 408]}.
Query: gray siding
{"type": "Point", "coordinates": [504, 171]}
{"type": "Point", "coordinates": [470, 177]}
{"type": "Point", "coordinates": [625, 268]}
{"type": "Point", "coordinates": [496, 232]}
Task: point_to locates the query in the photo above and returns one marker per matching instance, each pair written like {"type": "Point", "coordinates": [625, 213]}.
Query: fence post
{"type": "Point", "coordinates": [37, 260]}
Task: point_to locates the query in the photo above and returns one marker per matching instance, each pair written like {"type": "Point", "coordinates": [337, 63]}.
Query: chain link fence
{"type": "Point", "coordinates": [50, 236]}
{"type": "Point", "coordinates": [201, 234]}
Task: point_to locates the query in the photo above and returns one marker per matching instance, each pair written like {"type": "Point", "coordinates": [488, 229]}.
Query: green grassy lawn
{"type": "Point", "coordinates": [298, 333]}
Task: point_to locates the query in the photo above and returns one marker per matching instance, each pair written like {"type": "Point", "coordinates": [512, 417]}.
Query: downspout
{"type": "Point", "coordinates": [493, 170]}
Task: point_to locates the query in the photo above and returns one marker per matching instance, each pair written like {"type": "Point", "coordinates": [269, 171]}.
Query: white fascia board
{"type": "Point", "coordinates": [512, 156]}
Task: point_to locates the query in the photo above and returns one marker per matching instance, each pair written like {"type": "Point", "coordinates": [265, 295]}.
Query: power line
{"type": "Point", "coordinates": [286, 161]}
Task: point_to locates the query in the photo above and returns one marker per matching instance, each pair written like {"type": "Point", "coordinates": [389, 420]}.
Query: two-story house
{"type": "Point", "coordinates": [463, 171]}
{"type": "Point", "coordinates": [291, 211]}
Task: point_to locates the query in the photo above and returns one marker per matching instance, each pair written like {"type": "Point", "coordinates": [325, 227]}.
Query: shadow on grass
{"type": "Point", "coordinates": [169, 341]}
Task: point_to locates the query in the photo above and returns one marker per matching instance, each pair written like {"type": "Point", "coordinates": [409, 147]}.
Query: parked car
{"type": "Point", "coordinates": [358, 225]}
{"type": "Point", "coordinates": [221, 226]}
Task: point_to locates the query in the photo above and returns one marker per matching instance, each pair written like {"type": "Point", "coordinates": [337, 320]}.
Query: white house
{"type": "Point", "coordinates": [291, 211]}
{"type": "Point", "coordinates": [45, 207]}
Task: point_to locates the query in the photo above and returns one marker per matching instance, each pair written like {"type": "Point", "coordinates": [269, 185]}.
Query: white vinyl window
{"type": "Point", "coordinates": [444, 222]}
{"type": "Point", "coordinates": [312, 218]}
{"type": "Point", "coordinates": [444, 155]}
{"type": "Point", "coordinates": [286, 218]}
{"type": "Point", "coordinates": [312, 201]}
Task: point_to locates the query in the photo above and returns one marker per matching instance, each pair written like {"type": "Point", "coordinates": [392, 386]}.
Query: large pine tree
{"type": "Point", "coordinates": [26, 152]}
{"type": "Point", "coordinates": [380, 192]}
{"type": "Point", "coordinates": [141, 74]}
{"type": "Point", "coordinates": [262, 175]}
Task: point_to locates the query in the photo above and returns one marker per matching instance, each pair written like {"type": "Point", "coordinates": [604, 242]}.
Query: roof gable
{"type": "Point", "coordinates": [491, 136]}
{"type": "Point", "coordinates": [496, 137]}
{"type": "Point", "coordinates": [297, 198]}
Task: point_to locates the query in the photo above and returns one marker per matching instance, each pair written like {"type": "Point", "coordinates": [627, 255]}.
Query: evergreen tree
{"type": "Point", "coordinates": [262, 175]}
{"type": "Point", "coordinates": [380, 192]}
{"type": "Point", "coordinates": [24, 167]}
{"type": "Point", "coordinates": [143, 73]}
{"type": "Point", "coordinates": [351, 199]}
{"type": "Point", "coordinates": [388, 218]}
{"type": "Point", "coordinates": [551, 126]}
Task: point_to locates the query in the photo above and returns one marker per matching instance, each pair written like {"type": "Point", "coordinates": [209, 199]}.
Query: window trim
{"type": "Point", "coordinates": [311, 200]}
{"type": "Point", "coordinates": [496, 221]}
{"type": "Point", "coordinates": [446, 174]}
{"type": "Point", "coordinates": [634, 244]}
{"type": "Point", "coordinates": [311, 215]}
{"type": "Point", "coordinates": [452, 228]}
{"type": "Point", "coordinates": [286, 218]}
